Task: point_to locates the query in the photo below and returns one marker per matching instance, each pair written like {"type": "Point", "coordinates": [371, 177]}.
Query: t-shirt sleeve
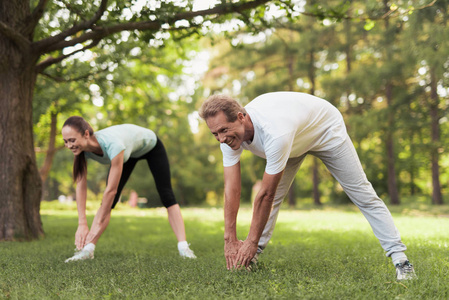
{"type": "Point", "coordinates": [114, 148]}
{"type": "Point", "coordinates": [277, 152]}
{"type": "Point", "coordinates": [230, 157]}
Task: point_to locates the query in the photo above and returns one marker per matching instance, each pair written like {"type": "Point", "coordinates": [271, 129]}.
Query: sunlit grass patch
{"type": "Point", "coordinates": [314, 254]}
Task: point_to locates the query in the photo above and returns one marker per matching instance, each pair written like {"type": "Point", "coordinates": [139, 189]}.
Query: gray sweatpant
{"type": "Point", "coordinates": [344, 164]}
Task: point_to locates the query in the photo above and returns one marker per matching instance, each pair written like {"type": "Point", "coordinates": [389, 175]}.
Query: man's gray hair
{"type": "Point", "coordinates": [216, 103]}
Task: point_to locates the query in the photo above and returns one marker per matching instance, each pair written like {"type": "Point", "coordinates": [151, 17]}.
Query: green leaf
{"type": "Point", "coordinates": [369, 24]}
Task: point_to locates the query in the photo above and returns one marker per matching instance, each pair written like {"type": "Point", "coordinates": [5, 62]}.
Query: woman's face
{"type": "Point", "coordinates": [73, 140]}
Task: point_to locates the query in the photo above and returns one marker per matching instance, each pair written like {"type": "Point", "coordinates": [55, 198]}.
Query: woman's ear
{"type": "Point", "coordinates": [86, 134]}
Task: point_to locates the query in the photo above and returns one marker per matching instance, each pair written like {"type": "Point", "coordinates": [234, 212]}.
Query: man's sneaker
{"type": "Point", "coordinates": [253, 263]}
{"type": "Point", "coordinates": [80, 255]}
{"type": "Point", "coordinates": [186, 252]}
{"type": "Point", "coordinates": [405, 271]}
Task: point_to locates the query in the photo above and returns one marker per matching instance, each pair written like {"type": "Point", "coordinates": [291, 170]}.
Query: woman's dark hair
{"type": "Point", "coordinates": [79, 162]}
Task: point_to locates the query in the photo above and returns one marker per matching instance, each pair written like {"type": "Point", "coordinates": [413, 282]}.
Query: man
{"type": "Point", "coordinates": [283, 127]}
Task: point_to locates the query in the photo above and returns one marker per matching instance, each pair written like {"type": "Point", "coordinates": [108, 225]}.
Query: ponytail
{"type": "Point", "coordinates": [79, 162]}
{"type": "Point", "coordinates": [79, 166]}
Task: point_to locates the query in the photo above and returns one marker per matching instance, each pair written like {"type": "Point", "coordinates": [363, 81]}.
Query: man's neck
{"type": "Point", "coordinates": [249, 129]}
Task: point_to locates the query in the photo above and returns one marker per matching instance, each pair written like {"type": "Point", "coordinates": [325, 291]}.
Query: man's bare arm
{"type": "Point", "coordinates": [261, 211]}
{"type": "Point", "coordinates": [232, 186]}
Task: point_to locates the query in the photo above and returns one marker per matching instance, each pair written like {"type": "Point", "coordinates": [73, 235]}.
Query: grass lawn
{"type": "Point", "coordinates": [328, 253]}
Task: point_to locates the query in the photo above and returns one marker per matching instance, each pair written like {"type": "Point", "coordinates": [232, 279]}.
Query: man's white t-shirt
{"type": "Point", "coordinates": [287, 125]}
{"type": "Point", "coordinates": [134, 140]}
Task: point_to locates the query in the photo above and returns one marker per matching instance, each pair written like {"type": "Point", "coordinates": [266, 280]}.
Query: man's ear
{"type": "Point", "coordinates": [240, 116]}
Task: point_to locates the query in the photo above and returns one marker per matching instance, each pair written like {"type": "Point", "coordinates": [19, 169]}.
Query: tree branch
{"type": "Point", "coordinates": [53, 43]}
{"type": "Point", "coordinates": [82, 77]}
{"type": "Point", "coordinates": [42, 45]}
{"type": "Point", "coordinates": [53, 60]}
{"type": "Point", "coordinates": [390, 13]}
{"type": "Point", "coordinates": [396, 13]}
{"type": "Point", "coordinates": [61, 79]}
{"type": "Point", "coordinates": [40, 150]}
{"type": "Point", "coordinates": [22, 42]}
{"type": "Point", "coordinates": [38, 11]}
{"type": "Point", "coordinates": [35, 16]}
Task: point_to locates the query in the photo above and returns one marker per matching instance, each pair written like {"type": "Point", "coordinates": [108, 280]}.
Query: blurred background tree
{"type": "Point", "coordinates": [69, 41]}
{"type": "Point", "coordinates": [371, 65]}
{"type": "Point", "coordinates": [384, 65]}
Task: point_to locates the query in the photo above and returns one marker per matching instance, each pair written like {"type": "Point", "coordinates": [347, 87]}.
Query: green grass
{"type": "Point", "coordinates": [327, 253]}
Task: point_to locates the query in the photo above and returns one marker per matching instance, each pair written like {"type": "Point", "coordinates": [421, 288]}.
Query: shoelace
{"type": "Point", "coordinates": [79, 252]}
{"type": "Point", "coordinates": [407, 266]}
{"type": "Point", "coordinates": [187, 251]}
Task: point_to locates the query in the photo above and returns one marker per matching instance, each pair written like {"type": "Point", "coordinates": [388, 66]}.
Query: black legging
{"type": "Point", "coordinates": [158, 162]}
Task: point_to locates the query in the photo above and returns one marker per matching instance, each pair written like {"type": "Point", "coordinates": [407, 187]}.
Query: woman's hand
{"type": "Point", "coordinates": [80, 236]}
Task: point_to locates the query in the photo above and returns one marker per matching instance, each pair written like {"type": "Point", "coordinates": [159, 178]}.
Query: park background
{"type": "Point", "coordinates": [385, 68]}
{"type": "Point", "coordinates": [383, 64]}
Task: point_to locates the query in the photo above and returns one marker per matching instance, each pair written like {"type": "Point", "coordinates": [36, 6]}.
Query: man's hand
{"type": "Point", "coordinates": [80, 236]}
{"type": "Point", "coordinates": [246, 252]}
{"type": "Point", "coordinates": [231, 249]}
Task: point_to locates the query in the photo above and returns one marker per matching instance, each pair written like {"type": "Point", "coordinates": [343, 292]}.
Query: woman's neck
{"type": "Point", "coordinates": [94, 146]}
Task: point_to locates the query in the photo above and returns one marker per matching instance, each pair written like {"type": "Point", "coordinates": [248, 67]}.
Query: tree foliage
{"type": "Point", "coordinates": [358, 68]}
{"type": "Point", "coordinates": [85, 42]}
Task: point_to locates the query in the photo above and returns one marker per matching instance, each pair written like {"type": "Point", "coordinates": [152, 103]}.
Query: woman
{"type": "Point", "coordinates": [121, 146]}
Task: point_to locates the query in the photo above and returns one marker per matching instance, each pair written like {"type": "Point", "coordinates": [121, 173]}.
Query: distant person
{"type": "Point", "coordinates": [283, 127]}
{"type": "Point", "coordinates": [120, 146]}
{"type": "Point", "coordinates": [133, 198]}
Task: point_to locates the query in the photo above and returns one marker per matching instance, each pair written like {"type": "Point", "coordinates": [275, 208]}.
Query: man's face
{"type": "Point", "coordinates": [230, 133]}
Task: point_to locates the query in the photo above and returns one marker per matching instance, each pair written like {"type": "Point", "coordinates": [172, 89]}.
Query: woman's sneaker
{"type": "Point", "coordinates": [186, 252]}
{"type": "Point", "coordinates": [80, 255]}
{"type": "Point", "coordinates": [405, 271]}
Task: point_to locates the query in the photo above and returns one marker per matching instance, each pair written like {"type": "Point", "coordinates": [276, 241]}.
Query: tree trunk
{"type": "Point", "coordinates": [292, 195]}
{"type": "Point", "coordinates": [437, 197]}
{"type": "Point", "coordinates": [291, 79]}
{"type": "Point", "coordinates": [347, 49]}
{"type": "Point", "coordinates": [315, 176]}
{"type": "Point", "coordinates": [316, 183]}
{"type": "Point", "coordinates": [389, 143]}
{"type": "Point", "coordinates": [50, 153]}
{"type": "Point", "coordinates": [412, 164]}
{"type": "Point", "coordinates": [20, 184]}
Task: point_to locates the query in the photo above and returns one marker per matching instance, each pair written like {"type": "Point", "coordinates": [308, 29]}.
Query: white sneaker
{"type": "Point", "coordinates": [253, 264]}
{"type": "Point", "coordinates": [186, 252]}
{"type": "Point", "coordinates": [80, 255]}
{"type": "Point", "coordinates": [405, 271]}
